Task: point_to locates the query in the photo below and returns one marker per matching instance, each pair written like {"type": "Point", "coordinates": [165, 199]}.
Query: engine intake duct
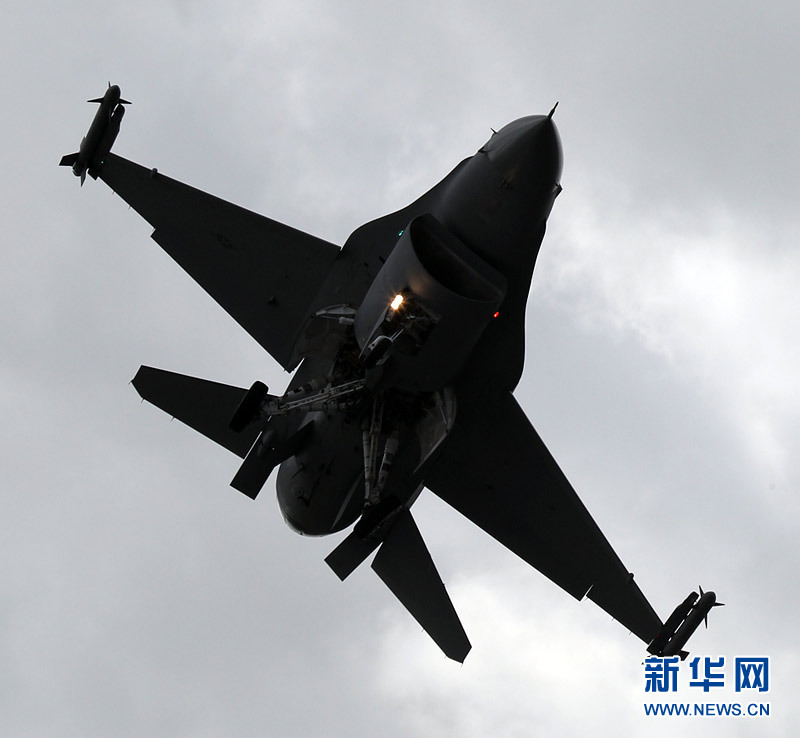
{"type": "Point", "coordinates": [449, 295]}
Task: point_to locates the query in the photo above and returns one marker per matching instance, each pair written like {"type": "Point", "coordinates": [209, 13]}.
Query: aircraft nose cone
{"type": "Point", "coordinates": [531, 144]}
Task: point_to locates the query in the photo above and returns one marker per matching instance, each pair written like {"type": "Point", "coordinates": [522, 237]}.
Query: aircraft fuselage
{"type": "Point", "coordinates": [407, 343]}
{"type": "Point", "coordinates": [493, 206]}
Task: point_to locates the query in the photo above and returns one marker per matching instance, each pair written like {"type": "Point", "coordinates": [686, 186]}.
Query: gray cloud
{"type": "Point", "coordinates": [142, 595]}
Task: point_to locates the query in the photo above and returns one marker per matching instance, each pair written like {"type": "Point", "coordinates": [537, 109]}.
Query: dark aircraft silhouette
{"type": "Point", "coordinates": [407, 343]}
{"type": "Point", "coordinates": [101, 136]}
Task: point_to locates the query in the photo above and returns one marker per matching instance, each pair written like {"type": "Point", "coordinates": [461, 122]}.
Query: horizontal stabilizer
{"type": "Point", "coordinates": [68, 160]}
{"type": "Point", "coordinates": [203, 405]}
{"type": "Point", "coordinates": [405, 566]}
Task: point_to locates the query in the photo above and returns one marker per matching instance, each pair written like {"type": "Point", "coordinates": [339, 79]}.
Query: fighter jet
{"type": "Point", "coordinates": [406, 345]}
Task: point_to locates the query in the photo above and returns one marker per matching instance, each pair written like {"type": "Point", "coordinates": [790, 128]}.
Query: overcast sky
{"type": "Point", "coordinates": [140, 595]}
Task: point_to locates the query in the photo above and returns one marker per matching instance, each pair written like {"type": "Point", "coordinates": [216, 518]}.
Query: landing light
{"type": "Point", "coordinates": [396, 302]}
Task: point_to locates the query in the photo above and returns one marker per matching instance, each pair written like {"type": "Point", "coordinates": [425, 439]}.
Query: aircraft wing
{"type": "Point", "coordinates": [496, 471]}
{"type": "Point", "coordinates": [263, 273]}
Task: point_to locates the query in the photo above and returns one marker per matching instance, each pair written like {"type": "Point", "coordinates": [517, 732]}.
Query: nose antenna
{"type": "Point", "coordinates": [550, 114]}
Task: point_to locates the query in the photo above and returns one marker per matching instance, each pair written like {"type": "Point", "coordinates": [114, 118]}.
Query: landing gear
{"type": "Point", "coordinates": [371, 430]}
{"type": "Point", "coordinates": [358, 387]}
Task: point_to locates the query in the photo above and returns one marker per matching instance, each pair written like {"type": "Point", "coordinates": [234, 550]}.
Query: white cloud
{"type": "Point", "coordinates": [713, 296]}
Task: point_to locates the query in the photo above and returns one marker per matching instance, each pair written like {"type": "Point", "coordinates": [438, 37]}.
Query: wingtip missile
{"type": "Point", "coordinates": [113, 92]}
{"type": "Point", "coordinates": [103, 131]}
{"type": "Point", "coordinates": [714, 604]}
{"type": "Point", "coordinates": [683, 622]}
